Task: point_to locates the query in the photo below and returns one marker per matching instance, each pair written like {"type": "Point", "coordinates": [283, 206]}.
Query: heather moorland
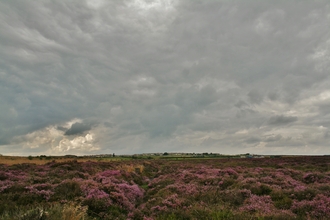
{"type": "Point", "coordinates": [242, 188]}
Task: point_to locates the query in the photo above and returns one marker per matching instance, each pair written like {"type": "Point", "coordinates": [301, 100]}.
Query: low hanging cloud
{"type": "Point", "coordinates": [52, 140]}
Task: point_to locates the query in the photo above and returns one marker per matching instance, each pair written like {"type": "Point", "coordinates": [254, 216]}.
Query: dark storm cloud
{"type": "Point", "coordinates": [61, 128]}
{"type": "Point", "coordinates": [273, 96]}
{"type": "Point", "coordinates": [241, 104]}
{"type": "Point", "coordinates": [282, 120]}
{"type": "Point", "coordinates": [78, 128]}
{"type": "Point", "coordinates": [4, 142]}
{"type": "Point", "coordinates": [136, 76]}
{"type": "Point", "coordinates": [252, 140]}
{"type": "Point", "coordinates": [255, 96]}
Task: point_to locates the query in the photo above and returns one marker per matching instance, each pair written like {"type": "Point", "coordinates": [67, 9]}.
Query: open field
{"type": "Point", "coordinates": [11, 160]}
{"type": "Point", "coordinates": [119, 188]}
{"type": "Point", "coordinates": [43, 159]}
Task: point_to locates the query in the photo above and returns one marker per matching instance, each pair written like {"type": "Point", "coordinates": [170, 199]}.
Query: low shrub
{"type": "Point", "coordinates": [261, 190]}
{"type": "Point", "coordinates": [226, 183]}
{"type": "Point", "coordinates": [235, 198]}
{"type": "Point", "coordinates": [281, 200]}
{"type": "Point", "coordinates": [67, 190]}
{"type": "Point", "coordinates": [69, 211]}
{"type": "Point", "coordinates": [307, 194]}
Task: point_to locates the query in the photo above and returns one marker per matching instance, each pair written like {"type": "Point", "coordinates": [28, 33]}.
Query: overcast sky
{"type": "Point", "coordinates": [134, 76]}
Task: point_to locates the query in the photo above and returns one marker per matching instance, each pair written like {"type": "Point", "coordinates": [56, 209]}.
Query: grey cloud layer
{"type": "Point", "coordinates": [147, 76]}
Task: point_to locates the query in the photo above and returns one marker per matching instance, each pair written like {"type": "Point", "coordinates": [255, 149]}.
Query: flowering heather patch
{"type": "Point", "coordinates": [318, 208]}
{"type": "Point", "coordinates": [45, 190]}
{"type": "Point", "coordinates": [109, 173]}
{"type": "Point", "coordinates": [228, 171]}
{"type": "Point", "coordinates": [269, 188]}
{"type": "Point", "coordinates": [4, 184]}
{"type": "Point", "coordinates": [262, 205]}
